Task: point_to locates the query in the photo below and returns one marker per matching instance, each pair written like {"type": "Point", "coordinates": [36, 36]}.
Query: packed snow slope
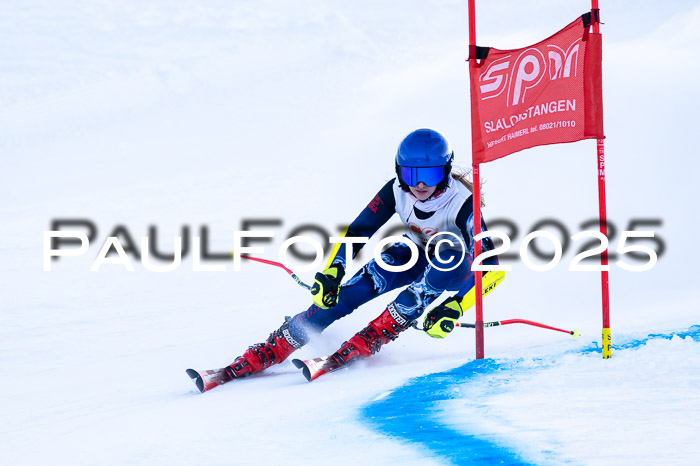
{"type": "Point", "coordinates": [183, 115]}
{"type": "Point", "coordinates": [557, 408]}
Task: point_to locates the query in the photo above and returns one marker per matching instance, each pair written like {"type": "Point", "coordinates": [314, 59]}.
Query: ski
{"type": "Point", "coordinates": [206, 380]}
{"type": "Point", "coordinates": [316, 367]}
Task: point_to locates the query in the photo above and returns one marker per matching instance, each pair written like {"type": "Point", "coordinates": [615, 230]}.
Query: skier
{"type": "Point", "coordinates": [428, 198]}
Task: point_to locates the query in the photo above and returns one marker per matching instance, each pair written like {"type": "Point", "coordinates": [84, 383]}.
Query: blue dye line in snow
{"type": "Point", "coordinates": [412, 413]}
{"type": "Point", "coordinates": [693, 332]}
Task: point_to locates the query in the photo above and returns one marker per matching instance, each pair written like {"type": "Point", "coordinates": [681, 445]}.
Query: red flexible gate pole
{"type": "Point", "coordinates": [479, 321]}
{"type": "Point", "coordinates": [476, 197]}
{"type": "Point", "coordinates": [600, 161]}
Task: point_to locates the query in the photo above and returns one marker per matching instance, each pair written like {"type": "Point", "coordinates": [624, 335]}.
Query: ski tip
{"type": "Point", "coordinates": [194, 375]}
{"type": "Point", "coordinates": [298, 363]}
{"type": "Point", "coordinates": [304, 368]}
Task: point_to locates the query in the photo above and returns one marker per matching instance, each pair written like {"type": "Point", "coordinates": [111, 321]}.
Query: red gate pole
{"type": "Point", "coordinates": [476, 197]}
{"type": "Point", "coordinates": [479, 321]}
{"type": "Point", "coordinates": [606, 343]}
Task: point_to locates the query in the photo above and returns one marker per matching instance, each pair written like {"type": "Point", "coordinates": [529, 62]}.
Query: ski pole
{"type": "Point", "coordinates": [277, 264]}
{"type": "Point", "coordinates": [574, 333]}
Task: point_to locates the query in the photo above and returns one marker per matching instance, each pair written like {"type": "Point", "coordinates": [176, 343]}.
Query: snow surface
{"type": "Point", "coordinates": [207, 113]}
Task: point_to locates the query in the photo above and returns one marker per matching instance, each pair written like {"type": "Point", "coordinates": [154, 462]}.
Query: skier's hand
{"type": "Point", "coordinates": [441, 320]}
{"type": "Point", "coordinates": [326, 286]}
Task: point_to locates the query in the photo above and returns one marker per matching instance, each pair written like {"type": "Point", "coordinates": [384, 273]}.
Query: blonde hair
{"type": "Point", "coordinates": [462, 177]}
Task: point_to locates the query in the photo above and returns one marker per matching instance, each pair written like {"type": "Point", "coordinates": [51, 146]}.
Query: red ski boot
{"type": "Point", "coordinates": [365, 343]}
{"type": "Point", "coordinates": [279, 345]}
{"type": "Point", "coordinates": [369, 340]}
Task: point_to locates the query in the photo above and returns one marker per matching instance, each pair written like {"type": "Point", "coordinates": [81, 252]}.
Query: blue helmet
{"type": "Point", "coordinates": [424, 156]}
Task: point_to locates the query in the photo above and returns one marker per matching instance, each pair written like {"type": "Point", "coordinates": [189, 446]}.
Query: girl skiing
{"type": "Point", "coordinates": [430, 200]}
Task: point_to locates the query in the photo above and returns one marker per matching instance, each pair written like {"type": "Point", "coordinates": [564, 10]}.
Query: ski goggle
{"type": "Point", "coordinates": [431, 176]}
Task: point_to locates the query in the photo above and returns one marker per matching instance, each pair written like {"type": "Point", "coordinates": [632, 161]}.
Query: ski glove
{"type": "Point", "coordinates": [441, 320]}
{"type": "Point", "coordinates": [326, 286]}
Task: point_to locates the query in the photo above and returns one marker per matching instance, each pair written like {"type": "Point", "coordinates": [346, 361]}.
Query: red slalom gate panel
{"type": "Point", "coordinates": [546, 93]}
